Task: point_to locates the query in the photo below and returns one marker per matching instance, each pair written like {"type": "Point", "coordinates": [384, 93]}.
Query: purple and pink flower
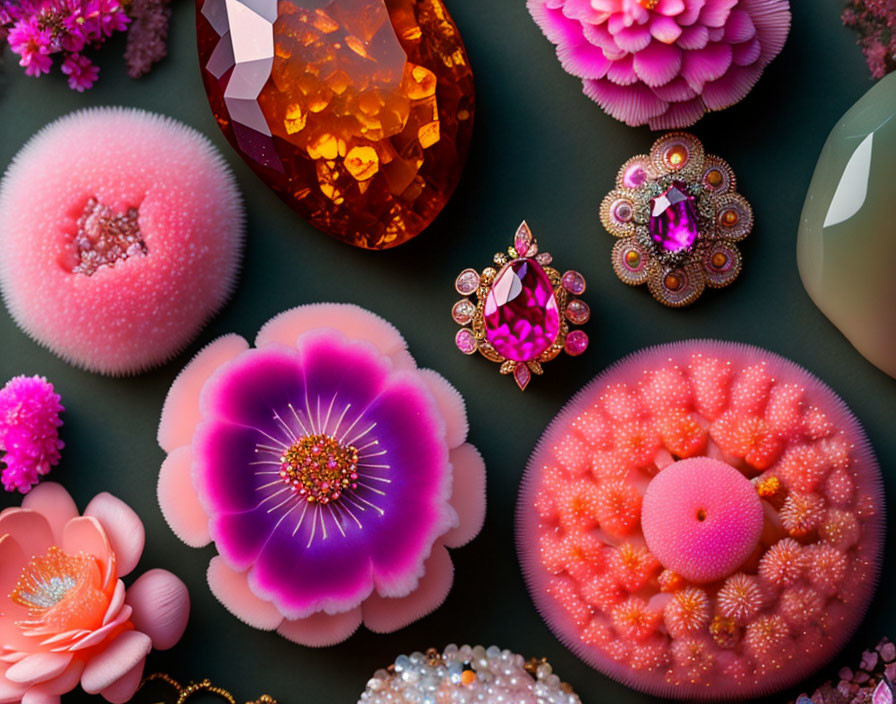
{"type": "Point", "coordinates": [330, 472]}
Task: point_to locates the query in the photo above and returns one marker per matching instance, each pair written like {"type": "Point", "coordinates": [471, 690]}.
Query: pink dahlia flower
{"type": "Point", "coordinates": [664, 62]}
{"type": "Point", "coordinates": [29, 431]}
{"type": "Point", "coordinates": [329, 471]}
{"type": "Point", "coordinates": [65, 615]}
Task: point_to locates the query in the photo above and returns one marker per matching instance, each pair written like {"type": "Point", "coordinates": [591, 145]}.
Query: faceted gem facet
{"type": "Point", "coordinates": [673, 218]}
{"type": "Point", "coordinates": [358, 113]}
{"type": "Point", "coordinates": [522, 318]}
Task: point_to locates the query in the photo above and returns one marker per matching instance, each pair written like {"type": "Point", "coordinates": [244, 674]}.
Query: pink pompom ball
{"type": "Point", "coordinates": [122, 233]}
{"type": "Point", "coordinates": [701, 518]}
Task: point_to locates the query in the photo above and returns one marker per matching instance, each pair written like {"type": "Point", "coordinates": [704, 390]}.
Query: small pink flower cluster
{"type": "Point", "coordinates": [29, 431]}
{"type": "Point", "coordinates": [37, 29]}
{"type": "Point", "coordinates": [875, 20]}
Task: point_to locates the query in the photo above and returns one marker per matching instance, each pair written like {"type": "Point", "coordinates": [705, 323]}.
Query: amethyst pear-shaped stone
{"type": "Point", "coordinates": [522, 318]}
{"type": "Point", "coordinates": [673, 218]}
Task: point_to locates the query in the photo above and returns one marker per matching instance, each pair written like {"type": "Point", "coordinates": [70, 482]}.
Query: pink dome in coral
{"type": "Point", "coordinates": [664, 62]}
{"type": "Point", "coordinates": [703, 521]}
{"type": "Point", "coordinates": [121, 233]}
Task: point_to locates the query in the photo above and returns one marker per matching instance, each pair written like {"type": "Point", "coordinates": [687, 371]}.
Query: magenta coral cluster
{"type": "Point", "coordinates": [29, 431]}
{"type": "Point", "coordinates": [875, 20]}
{"type": "Point", "coordinates": [147, 35]}
{"type": "Point", "coordinates": [37, 29]}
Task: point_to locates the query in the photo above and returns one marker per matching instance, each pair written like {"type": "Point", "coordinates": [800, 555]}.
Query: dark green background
{"type": "Point", "coordinates": [541, 151]}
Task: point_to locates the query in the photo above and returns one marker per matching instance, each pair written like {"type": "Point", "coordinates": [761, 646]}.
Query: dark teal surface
{"type": "Point", "coordinates": [541, 151]}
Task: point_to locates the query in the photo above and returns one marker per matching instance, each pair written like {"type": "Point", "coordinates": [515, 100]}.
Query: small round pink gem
{"type": "Point", "coordinates": [463, 311]}
{"type": "Point", "coordinates": [635, 176]}
{"type": "Point", "coordinates": [467, 282]}
{"type": "Point", "coordinates": [622, 211]}
{"type": "Point", "coordinates": [465, 341]}
{"type": "Point", "coordinates": [576, 343]}
{"type": "Point", "coordinates": [574, 282]}
{"type": "Point", "coordinates": [577, 311]}
{"type": "Point", "coordinates": [544, 258]}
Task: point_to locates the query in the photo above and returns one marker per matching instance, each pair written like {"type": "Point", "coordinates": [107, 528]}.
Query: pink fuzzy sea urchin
{"type": "Point", "coordinates": [121, 233]}
{"type": "Point", "coordinates": [664, 62]}
{"type": "Point", "coordinates": [703, 521]}
{"type": "Point", "coordinates": [329, 471]}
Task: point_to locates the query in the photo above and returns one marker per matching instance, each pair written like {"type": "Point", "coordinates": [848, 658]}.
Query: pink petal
{"type": "Point", "coordinates": [632, 39]}
{"type": "Point", "coordinates": [354, 322]}
{"type": "Point", "coordinates": [10, 692]}
{"type": "Point", "coordinates": [558, 28]}
{"type": "Point", "coordinates": [86, 534]}
{"type": "Point", "coordinates": [55, 503]}
{"type": "Point", "coordinates": [715, 12]}
{"type": "Point", "coordinates": [658, 64]}
{"type": "Point", "coordinates": [124, 689]}
{"type": "Point", "coordinates": [675, 91]}
{"type": "Point", "coordinates": [679, 115]}
{"type": "Point", "coordinates": [179, 501]}
{"type": "Point", "coordinates": [161, 605]}
{"type": "Point", "coordinates": [232, 589]}
{"type": "Point", "coordinates": [39, 667]}
{"type": "Point", "coordinates": [732, 87]}
{"type": "Point", "coordinates": [622, 72]}
{"type": "Point", "coordinates": [180, 414]}
{"type": "Point", "coordinates": [665, 29]}
{"type": "Point", "coordinates": [63, 684]}
{"type": "Point", "coordinates": [694, 37]}
{"type": "Point", "coordinates": [100, 634]}
{"type": "Point", "coordinates": [739, 27]}
{"type": "Point", "coordinates": [634, 105]}
{"type": "Point", "coordinates": [321, 629]}
{"type": "Point", "coordinates": [12, 562]}
{"type": "Point", "coordinates": [700, 67]}
{"type": "Point", "coordinates": [124, 653]}
{"type": "Point", "coordinates": [772, 21]}
{"type": "Point", "coordinates": [123, 528]}
{"type": "Point", "coordinates": [468, 498]}
{"type": "Point", "coordinates": [600, 36]}
{"type": "Point", "coordinates": [451, 405]}
{"type": "Point", "coordinates": [583, 60]}
{"type": "Point", "coordinates": [691, 13]}
{"type": "Point", "coordinates": [115, 603]}
{"type": "Point", "coordinates": [30, 529]}
{"type": "Point", "coordinates": [35, 695]}
{"type": "Point", "coordinates": [746, 53]}
{"type": "Point", "coordinates": [670, 8]}
{"type": "Point", "coordinates": [383, 615]}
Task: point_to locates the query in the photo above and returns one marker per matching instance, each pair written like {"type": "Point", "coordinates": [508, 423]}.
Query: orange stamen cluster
{"type": "Point", "coordinates": [319, 469]}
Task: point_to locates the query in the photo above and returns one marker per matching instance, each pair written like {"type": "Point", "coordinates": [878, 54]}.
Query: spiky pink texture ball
{"type": "Point", "coordinates": [29, 431]}
{"type": "Point", "coordinates": [732, 512]}
{"type": "Point", "coordinates": [701, 518]}
{"type": "Point", "coordinates": [121, 233]}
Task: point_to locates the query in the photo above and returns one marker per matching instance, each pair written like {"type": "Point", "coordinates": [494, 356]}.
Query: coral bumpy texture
{"type": "Point", "coordinates": [65, 614]}
{"type": "Point", "coordinates": [664, 63]}
{"type": "Point", "coordinates": [704, 520]}
{"type": "Point", "coordinates": [875, 21]}
{"type": "Point", "coordinates": [29, 431]}
{"type": "Point", "coordinates": [329, 471]}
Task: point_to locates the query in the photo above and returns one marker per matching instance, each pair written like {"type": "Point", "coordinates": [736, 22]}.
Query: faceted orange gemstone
{"type": "Point", "coordinates": [358, 113]}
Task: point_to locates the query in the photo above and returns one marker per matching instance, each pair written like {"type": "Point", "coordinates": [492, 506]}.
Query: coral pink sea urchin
{"type": "Point", "coordinates": [664, 62]}
{"type": "Point", "coordinates": [703, 521]}
{"type": "Point", "coordinates": [329, 471]}
{"type": "Point", "coordinates": [121, 234]}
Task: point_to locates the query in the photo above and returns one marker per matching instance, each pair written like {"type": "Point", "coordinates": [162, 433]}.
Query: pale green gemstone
{"type": "Point", "coordinates": [846, 247]}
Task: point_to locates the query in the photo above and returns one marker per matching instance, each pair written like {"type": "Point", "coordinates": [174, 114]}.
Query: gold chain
{"type": "Point", "coordinates": [205, 685]}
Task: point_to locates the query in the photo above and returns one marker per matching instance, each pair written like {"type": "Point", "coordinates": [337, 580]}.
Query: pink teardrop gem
{"type": "Point", "coordinates": [673, 218]}
{"type": "Point", "coordinates": [522, 318]}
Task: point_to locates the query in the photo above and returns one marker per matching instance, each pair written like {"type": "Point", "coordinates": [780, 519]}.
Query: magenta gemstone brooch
{"type": "Point", "coordinates": [523, 310]}
{"type": "Point", "coordinates": [677, 216]}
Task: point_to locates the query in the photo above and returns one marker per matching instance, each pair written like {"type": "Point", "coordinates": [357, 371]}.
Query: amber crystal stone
{"type": "Point", "coordinates": [358, 113]}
